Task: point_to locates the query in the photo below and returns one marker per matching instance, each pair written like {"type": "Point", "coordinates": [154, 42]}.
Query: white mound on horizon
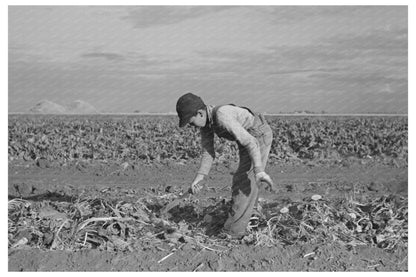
{"type": "Point", "coordinates": [48, 107]}
{"type": "Point", "coordinates": [76, 107]}
{"type": "Point", "coordinates": [81, 107]}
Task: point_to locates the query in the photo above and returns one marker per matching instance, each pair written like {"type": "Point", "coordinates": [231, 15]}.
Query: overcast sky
{"type": "Point", "coordinates": [341, 59]}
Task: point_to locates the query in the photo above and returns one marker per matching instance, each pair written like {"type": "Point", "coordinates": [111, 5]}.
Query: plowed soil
{"type": "Point", "coordinates": [37, 182]}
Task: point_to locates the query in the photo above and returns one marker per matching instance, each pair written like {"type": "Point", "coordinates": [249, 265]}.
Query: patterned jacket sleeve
{"type": "Point", "coordinates": [208, 152]}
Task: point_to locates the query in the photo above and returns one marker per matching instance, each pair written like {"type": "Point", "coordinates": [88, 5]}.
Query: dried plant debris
{"type": "Point", "coordinates": [114, 225]}
{"type": "Point", "coordinates": [382, 222]}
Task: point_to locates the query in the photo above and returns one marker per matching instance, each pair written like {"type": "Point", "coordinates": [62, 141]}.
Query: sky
{"type": "Point", "coordinates": [273, 59]}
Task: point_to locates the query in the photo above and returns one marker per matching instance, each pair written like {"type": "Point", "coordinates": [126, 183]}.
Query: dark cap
{"type": "Point", "coordinates": [187, 106]}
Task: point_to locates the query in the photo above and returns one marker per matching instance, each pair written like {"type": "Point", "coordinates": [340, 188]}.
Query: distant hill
{"type": "Point", "coordinates": [48, 107]}
{"type": "Point", "coordinates": [76, 107]}
{"type": "Point", "coordinates": [81, 107]}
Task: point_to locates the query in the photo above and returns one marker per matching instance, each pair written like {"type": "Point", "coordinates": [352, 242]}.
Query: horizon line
{"type": "Point", "coordinates": [267, 114]}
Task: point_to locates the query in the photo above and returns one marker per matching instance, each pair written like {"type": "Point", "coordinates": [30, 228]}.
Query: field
{"type": "Point", "coordinates": [86, 193]}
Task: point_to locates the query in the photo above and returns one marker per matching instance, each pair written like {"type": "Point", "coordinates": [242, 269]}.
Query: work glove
{"type": "Point", "coordinates": [264, 177]}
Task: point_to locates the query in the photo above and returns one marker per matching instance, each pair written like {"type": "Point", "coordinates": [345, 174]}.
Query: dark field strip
{"type": "Point", "coordinates": [157, 138]}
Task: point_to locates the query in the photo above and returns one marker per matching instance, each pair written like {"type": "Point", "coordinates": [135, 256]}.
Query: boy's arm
{"type": "Point", "coordinates": [208, 155]}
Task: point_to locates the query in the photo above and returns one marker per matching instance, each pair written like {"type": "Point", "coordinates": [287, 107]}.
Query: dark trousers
{"type": "Point", "coordinates": [245, 189]}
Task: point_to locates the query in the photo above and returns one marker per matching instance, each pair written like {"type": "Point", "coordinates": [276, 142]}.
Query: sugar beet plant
{"type": "Point", "coordinates": [158, 138]}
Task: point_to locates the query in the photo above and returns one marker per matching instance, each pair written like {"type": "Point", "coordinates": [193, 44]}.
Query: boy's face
{"type": "Point", "coordinates": [199, 119]}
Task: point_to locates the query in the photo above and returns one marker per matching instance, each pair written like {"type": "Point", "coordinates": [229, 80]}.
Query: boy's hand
{"type": "Point", "coordinates": [196, 185]}
{"type": "Point", "coordinates": [264, 177]}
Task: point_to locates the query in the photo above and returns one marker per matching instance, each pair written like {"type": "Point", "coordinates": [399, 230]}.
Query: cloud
{"type": "Point", "coordinates": [351, 62]}
{"type": "Point", "coordinates": [307, 70]}
{"type": "Point", "coordinates": [372, 78]}
{"type": "Point", "coordinates": [149, 16]}
{"type": "Point", "coordinates": [348, 48]}
{"type": "Point", "coordinates": [388, 41]}
{"type": "Point", "coordinates": [277, 61]}
{"type": "Point", "coordinates": [129, 64]}
{"type": "Point", "coordinates": [106, 56]}
{"type": "Point", "coordinates": [295, 14]}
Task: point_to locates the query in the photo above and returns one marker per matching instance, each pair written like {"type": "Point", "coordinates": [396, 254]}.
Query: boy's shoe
{"type": "Point", "coordinates": [227, 235]}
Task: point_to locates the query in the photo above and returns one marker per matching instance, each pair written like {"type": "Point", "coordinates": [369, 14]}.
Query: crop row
{"type": "Point", "coordinates": [158, 138]}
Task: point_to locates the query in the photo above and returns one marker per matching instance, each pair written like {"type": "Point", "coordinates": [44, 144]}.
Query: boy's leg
{"type": "Point", "coordinates": [265, 146]}
{"type": "Point", "coordinates": [245, 189]}
{"type": "Point", "coordinates": [244, 195]}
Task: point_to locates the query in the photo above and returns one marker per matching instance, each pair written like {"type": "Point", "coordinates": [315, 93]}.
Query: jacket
{"type": "Point", "coordinates": [232, 123]}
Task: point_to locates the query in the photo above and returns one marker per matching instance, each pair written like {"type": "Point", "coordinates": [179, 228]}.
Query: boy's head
{"type": "Point", "coordinates": [189, 108]}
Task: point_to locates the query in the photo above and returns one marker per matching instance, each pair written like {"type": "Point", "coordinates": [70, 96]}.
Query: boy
{"type": "Point", "coordinates": [254, 138]}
